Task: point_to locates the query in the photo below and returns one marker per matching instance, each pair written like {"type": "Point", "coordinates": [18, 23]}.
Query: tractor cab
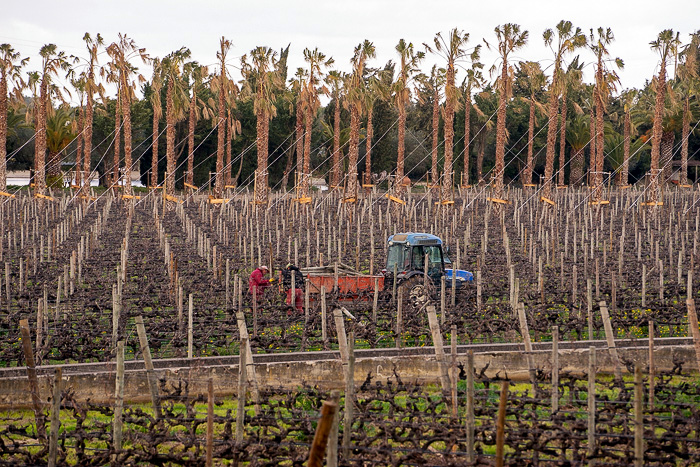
{"type": "Point", "coordinates": [407, 255]}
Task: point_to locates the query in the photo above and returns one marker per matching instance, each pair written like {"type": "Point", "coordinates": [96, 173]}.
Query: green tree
{"type": "Point", "coordinates": [60, 132]}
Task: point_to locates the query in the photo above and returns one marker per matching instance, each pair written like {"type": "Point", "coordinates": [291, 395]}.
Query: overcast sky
{"type": "Point", "coordinates": [336, 27]}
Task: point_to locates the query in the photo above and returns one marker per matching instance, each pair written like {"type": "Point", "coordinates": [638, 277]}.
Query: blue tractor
{"type": "Point", "coordinates": [406, 262]}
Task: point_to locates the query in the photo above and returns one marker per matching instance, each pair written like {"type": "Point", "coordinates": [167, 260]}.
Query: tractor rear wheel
{"type": "Point", "coordinates": [416, 293]}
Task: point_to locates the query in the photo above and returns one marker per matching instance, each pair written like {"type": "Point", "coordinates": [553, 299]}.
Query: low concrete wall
{"type": "Point", "coordinates": [97, 385]}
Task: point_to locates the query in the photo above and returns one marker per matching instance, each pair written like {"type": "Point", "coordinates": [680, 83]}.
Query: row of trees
{"type": "Point", "coordinates": [522, 125]}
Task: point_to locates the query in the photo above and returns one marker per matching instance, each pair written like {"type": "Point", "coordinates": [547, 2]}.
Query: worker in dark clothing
{"type": "Point", "coordinates": [290, 272]}
{"type": "Point", "coordinates": [257, 282]}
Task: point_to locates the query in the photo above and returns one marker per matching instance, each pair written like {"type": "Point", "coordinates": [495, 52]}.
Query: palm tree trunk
{"type": "Point", "coordinates": [591, 148]}
{"type": "Point", "coordinates": [335, 173]}
{"type": "Point", "coordinates": [624, 177]}
{"type": "Point", "coordinates": [577, 163]}
{"type": "Point", "coordinates": [87, 138]}
{"type": "Point", "coordinates": [368, 148]}
{"type": "Point", "coordinates": [3, 130]}
{"type": "Point", "coordinates": [351, 187]}
{"type": "Point", "coordinates": [229, 138]}
{"type": "Point", "coordinates": [53, 166]}
{"type": "Point", "coordinates": [79, 141]}
{"type": "Point", "coordinates": [126, 107]}
{"type": "Point", "coordinates": [190, 138]}
{"type": "Point", "coordinates": [657, 133]}
{"type": "Point", "coordinates": [527, 173]}
{"type": "Point", "coordinates": [480, 157]}
{"type": "Point", "coordinates": [154, 150]}
{"type": "Point", "coordinates": [40, 143]}
{"type": "Point", "coordinates": [667, 140]}
{"type": "Point", "coordinates": [683, 179]}
{"type": "Point", "coordinates": [600, 139]}
{"type": "Point", "coordinates": [306, 165]}
{"type": "Point", "coordinates": [221, 138]}
{"type": "Point", "coordinates": [501, 133]}
{"type": "Point", "coordinates": [300, 145]}
{"type": "Point", "coordinates": [562, 142]}
{"type": "Point", "coordinates": [117, 140]}
{"type": "Point", "coordinates": [288, 167]}
{"type": "Point", "coordinates": [399, 184]}
{"type": "Point", "coordinates": [551, 141]}
{"type": "Point", "coordinates": [261, 173]}
{"type": "Point", "coordinates": [170, 140]}
{"type": "Point", "coordinates": [467, 137]}
{"type": "Point", "coordinates": [446, 192]}
{"type": "Point", "coordinates": [436, 123]}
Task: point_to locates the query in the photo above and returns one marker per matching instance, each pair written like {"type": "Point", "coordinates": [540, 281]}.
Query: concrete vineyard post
{"type": "Point", "coordinates": [33, 381]}
{"type": "Point", "coordinates": [349, 395]}
{"type": "Point", "coordinates": [470, 406]}
{"type": "Point", "coordinates": [638, 417]}
{"type": "Point", "coordinates": [610, 338]}
{"type": "Point", "coordinates": [242, 389]}
{"type": "Point", "coordinates": [209, 461]}
{"type": "Point", "coordinates": [190, 326]}
{"type": "Point", "coordinates": [118, 400]}
{"type": "Point", "coordinates": [55, 420]}
{"type": "Point", "coordinates": [652, 366]}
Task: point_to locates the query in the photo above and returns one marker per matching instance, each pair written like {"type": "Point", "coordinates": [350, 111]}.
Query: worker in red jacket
{"type": "Point", "coordinates": [257, 282]}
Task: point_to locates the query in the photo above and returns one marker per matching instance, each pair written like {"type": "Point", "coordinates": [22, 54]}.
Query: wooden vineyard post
{"type": "Point", "coordinates": [644, 285]}
{"type": "Point", "coordinates": [589, 305]}
{"type": "Point", "coordinates": [39, 328]}
{"type": "Point", "coordinates": [375, 301]}
{"type": "Point", "coordinates": [307, 301]}
{"type": "Point", "coordinates": [694, 331]}
{"type": "Point", "coordinates": [453, 370]}
{"type": "Point", "coordinates": [500, 424]}
{"type": "Point", "coordinates": [242, 388]}
{"type": "Point", "coordinates": [439, 347]}
{"type": "Point", "coordinates": [318, 447]}
{"type": "Point", "coordinates": [152, 380]}
{"type": "Point", "coordinates": [610, 338]}
{"type": "Point", "coordinates": [555, 369]}
{"type": "Point", "coordinates": [442, 300]}
{"type": "Point", "coordinates": [118, 401]}
{"type": "Point", "coordinates": [349, 395]}
{"type": "Point", "coordinates": [478, 289]}
{"type": "Point", "coordinates": [115, 315]}
{"type": "Point", "coordinates": [525, 332]}
{"type": "Point", "coordinates": [190, 326]}
{"type": "Point", "coordinates": [332, 447]}
{"type": "Point", "coordinates": [470, 406]}
{"type": "Point", "coordinates": [55, 420]}
{"type": "Point", "coordinates": [210, 424]}
{"type": "Point", "coordinates": [638, 418]}
{"type": "Point", "coordinates": [33, 382]}
{"type": "Point", "coordinates": [591, 403]}
{"type": "Point", "coordinates": [393, 278]}
{"type": "Point", "coordinates": [652, 366]}
{"type": "Point", "coordinates": [324, 319]}
{"type": "Point", "coordinates": [399, 317]}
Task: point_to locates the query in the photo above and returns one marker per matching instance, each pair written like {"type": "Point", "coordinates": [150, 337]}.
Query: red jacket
{"type": "Point", "coordinates": [256, 280]}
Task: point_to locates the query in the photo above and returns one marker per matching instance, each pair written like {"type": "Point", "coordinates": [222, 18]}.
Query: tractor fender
{"type": "Point", "coordinates": [406, 276]}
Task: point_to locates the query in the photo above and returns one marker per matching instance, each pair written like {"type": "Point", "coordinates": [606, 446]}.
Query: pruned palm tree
{"type": "Point", "coordinates": [451, 50]}
{"type": "Point", "coordinates": [262, 79]}
{"type": "Point", "coordinates": [156, 86]}
{"type": "Point", "coordinates": [334, 79]}
{"type": "Point", "coordinates": [689, 77]}
{"type": "Point", "coordinates": [220, 86]}
{"type": "Point", "coordinates": [605, 84]}
{"type": "Point", "coordinates": [317, 63]}
{"type": "Point", "coordinates": [568, 39]}
{"type": "Point", "coordinates": [122, 53]}
{"type": "Point", "coordinates": [666, 45]}
{"type": "Point", "coordinates": [409, 60]}
{"type": "Point", "coordinates": [176, 103]}
{"type": "Point", "coordinates": [485, 106]}
{"type": "Point", "coordinates": [432, 91]}
{"type": "Point", "coordinates": [375, 90]}
{"type": "Point", "coordinates": [297, 85]}
{"type": "Point", "coordinates": [510, 38]}
{"type": "Point", "coordinates": [79, 86]}
{"type": "Point", "coordinates": [355, 102]}
{"type": "Point", "coordinates": [91, 88]}
{"type": "Point", "coordinates": [474, 80]}
{"type": "Point", "coordinates": [536, 83]}
{"type": "Point", "coordinates": [52, 61]}
{"type": "Point", "coordinates": [11, 65]}
{"type": "Point", "coordinates": [197, 74]}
